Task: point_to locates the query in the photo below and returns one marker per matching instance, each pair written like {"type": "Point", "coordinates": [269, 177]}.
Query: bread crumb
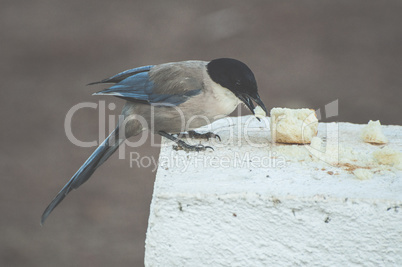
{"type": "Point", "coordinates": [259, 112]}
{"type": "Point", "coordinates": [363, 174]}
{"type": "Point", "coordinates": [293, 126]}
{"type": "Point", "coordinates": [373, 134]}
{"type": "Point", "coordinates": [388, 156]}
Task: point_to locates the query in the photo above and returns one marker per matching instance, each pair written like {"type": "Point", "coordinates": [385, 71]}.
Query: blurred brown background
{"type": "Point", "coordinates": [303, 53]}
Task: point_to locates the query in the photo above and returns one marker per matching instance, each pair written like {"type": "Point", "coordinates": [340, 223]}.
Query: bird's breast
{"type": "Point", "coordinates": [224, 100]}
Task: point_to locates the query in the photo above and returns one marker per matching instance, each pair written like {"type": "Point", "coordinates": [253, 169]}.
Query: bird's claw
{"type": "Point", "coordinates": [212, 135]}
{"type": "Point", "coordinates": [210, 147]}
{"type": "Point", "coordinates": [207, 136]}
{"type": "Point", "coordinates": [187, 147]}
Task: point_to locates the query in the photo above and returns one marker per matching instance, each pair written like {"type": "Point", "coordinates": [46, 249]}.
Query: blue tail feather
{"type": "Point", "coordinates": [98, 157]}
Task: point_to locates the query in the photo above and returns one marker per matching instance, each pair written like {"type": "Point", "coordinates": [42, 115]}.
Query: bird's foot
{"type": "Point", "coordinates": [181, 145]}
{"type": "Point", "coordinates": [207, 136]}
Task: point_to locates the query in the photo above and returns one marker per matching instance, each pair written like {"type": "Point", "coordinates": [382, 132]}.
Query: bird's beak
{"type": "Point", "coordinates": [248, 100]}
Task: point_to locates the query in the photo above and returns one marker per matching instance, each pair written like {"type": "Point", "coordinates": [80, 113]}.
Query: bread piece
{"type": "Point", "coordinates": [259, 112]}
{"type": "Point", "coordinates": [293, 126]}
{"type": "Point", "coordinates": [388, 156]}
{"type": "Point", "coordinates": [372, 133]}
{"type": "Point", "coordinates": [363, 174]}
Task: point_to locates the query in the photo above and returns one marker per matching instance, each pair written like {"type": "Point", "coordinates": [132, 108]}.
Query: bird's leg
{"type": "Point", "coordinates": [183, 145]}
{"type": "Point", "coordinates": [195, 135]}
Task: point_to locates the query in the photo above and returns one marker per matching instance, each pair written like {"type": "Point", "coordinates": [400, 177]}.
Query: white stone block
{"type": "Point", "coordinates": [254, 203]}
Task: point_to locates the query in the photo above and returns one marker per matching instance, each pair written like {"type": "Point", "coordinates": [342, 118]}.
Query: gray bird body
{"type": "Point", "coordinates": [211, 103]}
{"type": "Point", "coordinates": [169, 98]}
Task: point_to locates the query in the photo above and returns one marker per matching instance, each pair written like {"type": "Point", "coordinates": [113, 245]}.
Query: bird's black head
{"type": "Point", "coordinates": [238, 78]}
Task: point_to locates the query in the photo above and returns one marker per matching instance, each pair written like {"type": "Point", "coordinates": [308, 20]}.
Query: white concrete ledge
{"type": "Point", "coordinates": [252, 203]}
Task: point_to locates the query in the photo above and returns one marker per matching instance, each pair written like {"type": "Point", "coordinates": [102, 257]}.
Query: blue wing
{"type": "Point", "coordinates": [122, 75]}
{"type": "Point", "coordinates": [136, 85]}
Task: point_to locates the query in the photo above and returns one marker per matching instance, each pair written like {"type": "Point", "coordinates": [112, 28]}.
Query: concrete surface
{"type": "Point", "coordinates": [253, 203]}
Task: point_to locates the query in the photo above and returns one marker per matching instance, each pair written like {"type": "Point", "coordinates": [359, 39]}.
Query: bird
{"type": "Point", "coordinates": [169, 99]}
